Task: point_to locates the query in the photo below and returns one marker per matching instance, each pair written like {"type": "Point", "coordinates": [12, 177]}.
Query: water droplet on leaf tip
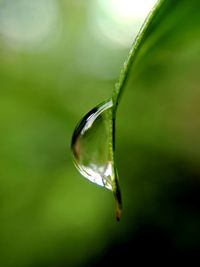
{"type": "Point", "coordinates": [92, 147]}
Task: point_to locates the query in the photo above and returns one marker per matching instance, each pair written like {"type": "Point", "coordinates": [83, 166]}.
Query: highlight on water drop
{"type": "Point", "coordinates": [92, 148]}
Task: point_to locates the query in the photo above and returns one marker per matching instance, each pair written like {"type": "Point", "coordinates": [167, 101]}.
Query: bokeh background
{"type": "Point", "coordinates": [58, 59]}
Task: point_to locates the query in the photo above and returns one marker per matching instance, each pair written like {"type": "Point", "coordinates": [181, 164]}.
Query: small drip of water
{"type": "Point", "coordinates": [92, 148]}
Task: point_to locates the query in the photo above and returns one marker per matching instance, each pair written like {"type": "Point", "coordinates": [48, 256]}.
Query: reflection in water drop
{"type": "Point", "coordinates": [92, 147]}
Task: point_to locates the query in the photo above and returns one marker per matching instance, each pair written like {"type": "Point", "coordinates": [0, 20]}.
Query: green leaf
{"type": "Point", "coordinates": [160, 73]}
{"type": "Point", "coordinates": [158, 122]}
{"type": "Point", "coordinates": [161, 79]}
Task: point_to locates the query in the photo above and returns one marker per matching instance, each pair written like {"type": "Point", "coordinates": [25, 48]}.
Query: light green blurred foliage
{"type": "Point", "coordinates": [49, 214]}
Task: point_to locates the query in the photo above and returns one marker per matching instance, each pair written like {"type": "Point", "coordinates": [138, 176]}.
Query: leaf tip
{"type": "Point", "coordinates": [118, 212]}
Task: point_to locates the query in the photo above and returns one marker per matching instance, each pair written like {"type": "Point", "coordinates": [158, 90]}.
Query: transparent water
{"type": "Point", "coordinates": [92, 148]}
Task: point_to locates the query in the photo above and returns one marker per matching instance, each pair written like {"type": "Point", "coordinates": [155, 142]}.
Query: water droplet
{"type": "Point", "coordinates": [92, 147]}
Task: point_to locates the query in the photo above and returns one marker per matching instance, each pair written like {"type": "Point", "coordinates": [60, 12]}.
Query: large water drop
{"type": "Point", "coordinates": [92, 147]}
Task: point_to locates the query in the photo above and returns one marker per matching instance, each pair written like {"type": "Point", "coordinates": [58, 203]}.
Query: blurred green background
{"type": "Point", "coordinates": [58, 59]}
